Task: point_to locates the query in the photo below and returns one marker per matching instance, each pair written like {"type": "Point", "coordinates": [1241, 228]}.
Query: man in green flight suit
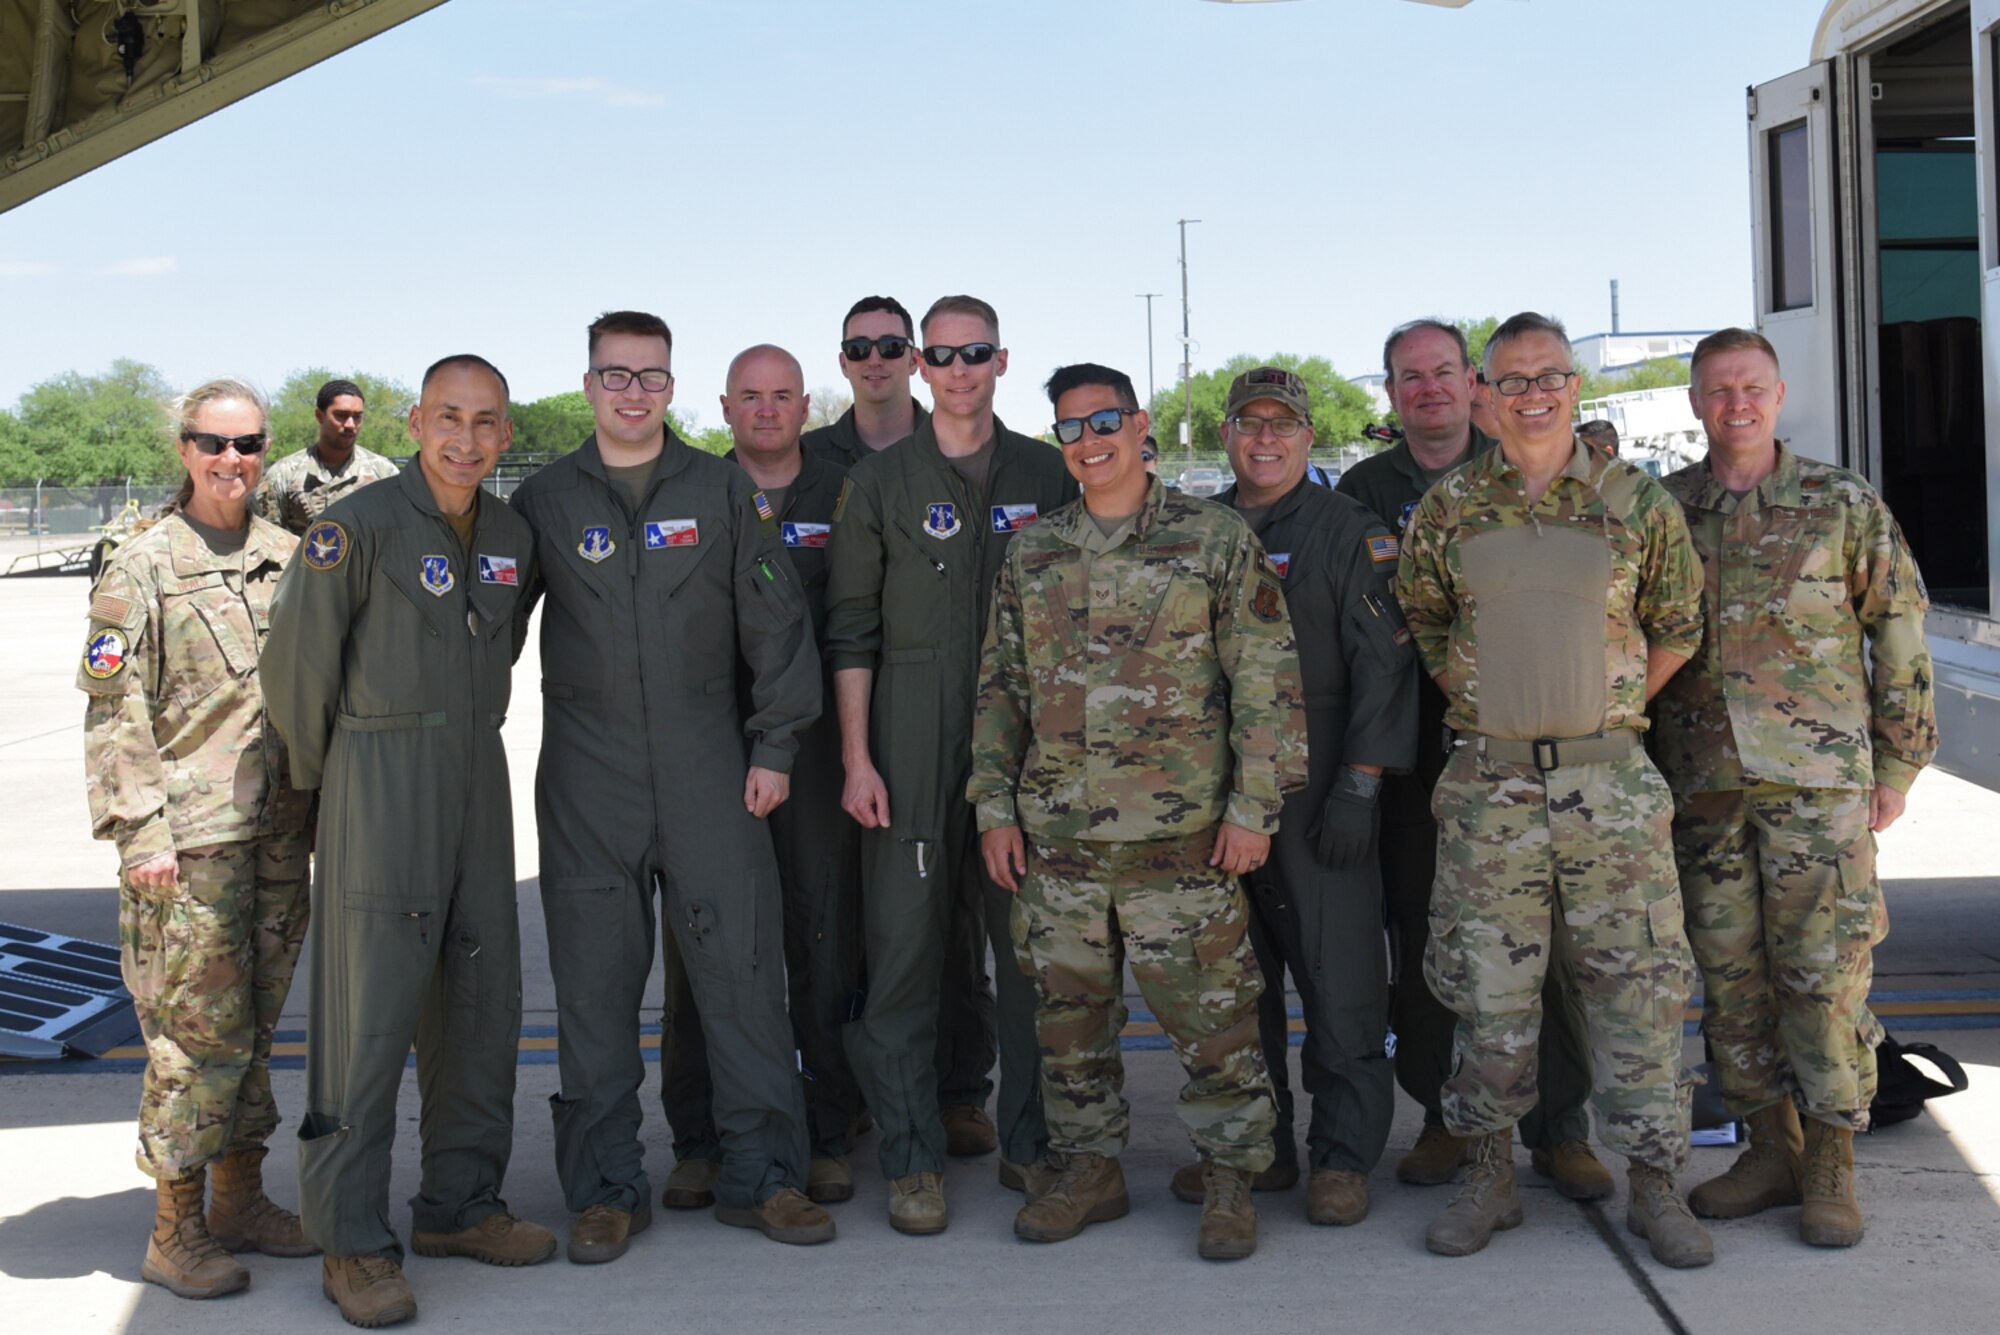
{"type": "Point", "coordinates": [921, 531]}
{"type": "Point", "coordinates": [664, 579]}
{"type": "Point", "coordinates": [1432, 386]}
{"type": "Point", "coordinates": [388, 673]}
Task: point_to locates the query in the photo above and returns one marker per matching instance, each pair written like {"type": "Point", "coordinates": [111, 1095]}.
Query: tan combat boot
{"type": "Point", "coordinates": [691, 1185]}
{"type": "Point", "coordinates": [1767, 1174]}
{"type": "Point", "coordinates": [1434, 1159]}
{"type": "Point", "coordinates": [1575, 1171]}
{"type": "Point", "coordinates": [1336, 1196]}
{"type": "Point", "coordinates": [242, 1218]}
{"type": "Point", "coordinates": [1030, 1179]}
{"type": "Point", "coordinates": [180, 1256]}
{"type": "Point", "coordinates": [1655, 1211]}
{"type": "Point", "coordinates": [1282, 1175]}
{"type": "Point", "coordinates": [786, 1215]}
{"type": "Point", "coordinates": [1485, 1205]}
{"type": "Point", "coordinates": [1228, 1216]}
{"type": "Point", "coordinates": [1832, 1217]}
{"type": "Point", "coordinates": [498, 1239]}
{"type": "Point", "coordinates": [829, 1179]}
{"type": "Point", "coordinates": [968, 1131]}
{"type": "Point", "coordinates": [916, 1204]}
{"type": "Point", "coordinates": [370, 1290]}
{"type": "Point", "coordinates": [1088, 1189]}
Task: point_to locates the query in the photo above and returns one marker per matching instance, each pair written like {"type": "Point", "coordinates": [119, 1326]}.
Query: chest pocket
{"type": "Point", "coordinates": [207, 624]}
{"type": "Point", "coordinates": [1814, 577]}
{"type": "Point", "coordinates": [1049, 616]}
{"type": "Point", "coordinates": [1177, 618]}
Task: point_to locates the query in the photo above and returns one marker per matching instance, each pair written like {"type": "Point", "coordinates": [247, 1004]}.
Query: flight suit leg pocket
{"type": "Point", "coordinates": [731, 967]}
{"type": "Point", "coordinates": [397, 937]}
{"type": "Point", "coordinates": [482, 1007]}
{"type": "Point", "coordinates": [582, 918]}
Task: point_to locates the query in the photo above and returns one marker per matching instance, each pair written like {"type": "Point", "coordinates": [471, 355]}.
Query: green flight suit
{"type": "Point", "coordinates": [839, 443]}
{"type": "Point", "coordinates": [388, 671]}
{"type": "Point", "coordinates": [914, 556]}
{"type": "Point", "coordinates": [819, 867]}
{"type": "Point", "coordinates": [648, 619]}
{"type": "Point", "coordinates": [1325, 924]}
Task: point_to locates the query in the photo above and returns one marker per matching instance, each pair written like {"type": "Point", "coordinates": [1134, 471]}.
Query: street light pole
{"type": "Point", "coordinates": [1149, 346]}
{"type": "Point", "coordinates": [1187, 351]}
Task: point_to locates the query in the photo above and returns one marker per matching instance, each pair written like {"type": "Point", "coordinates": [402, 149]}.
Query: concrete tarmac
{"type": "Point", "coordinates": [74, 1211]}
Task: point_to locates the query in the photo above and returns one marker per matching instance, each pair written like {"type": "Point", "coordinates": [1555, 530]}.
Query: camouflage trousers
{"type": "Point", "coordinates": [1575, 860]}
{"type": "Point", "coordinates": [1784, 913]}
{"type": "Point", "coordinates": [1082, 911]}
{"type": "Point", "coordinates": [209, 963]}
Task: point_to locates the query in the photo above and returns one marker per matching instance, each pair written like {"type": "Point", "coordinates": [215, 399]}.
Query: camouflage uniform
{"type": "Point", "coordinates": [1540, 619]}
{"type": "Point", "coordinates": [1772, 739]}
{"type": "Point", "coordinates": [1137, 689]}
{"type": "Point", "coordinates": [181, 759]}
{"type": "Point", "coordinates": [297, 488]}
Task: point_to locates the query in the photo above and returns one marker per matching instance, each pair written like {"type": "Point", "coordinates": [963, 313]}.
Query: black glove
{"type": "Point", "coordinates": [1344, 835]}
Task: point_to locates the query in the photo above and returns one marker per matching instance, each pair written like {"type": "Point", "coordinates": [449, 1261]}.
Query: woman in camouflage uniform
{"type": "Point", "coordinates": [189, 780]}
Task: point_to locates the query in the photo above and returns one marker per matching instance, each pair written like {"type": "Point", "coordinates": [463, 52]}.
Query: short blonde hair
{"type": "Point", "coordinates": [187, 407]}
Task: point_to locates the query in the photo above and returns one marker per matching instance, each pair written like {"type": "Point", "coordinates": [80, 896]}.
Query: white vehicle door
{"type": "Point", "coordinates": [1985, 112]}
{"type": "Point", "coordinates": [1794, 197]}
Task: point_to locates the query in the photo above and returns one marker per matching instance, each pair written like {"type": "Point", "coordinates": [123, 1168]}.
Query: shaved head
{"type": "Point", "coordinates": [767, 359]}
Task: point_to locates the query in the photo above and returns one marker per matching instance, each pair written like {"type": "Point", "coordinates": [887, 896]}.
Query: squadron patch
{"type": "Point", "coordinates": [672, 533]}
{"type": "Point", "coordinates": [1014, 518]}
{"type": "Point", "coordinates": [498, 570]}
{"type": "Point", "coordinates": [325, 545]}
{"type": "Point", "coordinates": [1403, 520]}
{"type": "Point", "coordinates": [436, 577]}
{"type": "Point", "coordinates": [596, 545]}
{"type": "Point", "coordinates": [1280, 562]}
{"type": "Point", "coordinates": [1268, 603]}
{"type": "Point", "coordinates": [805, 534]}
{"type": "Point", "coordinates": [1382, 549]}
{"type": "Point", "coordinates": [941, 519]}
{"type": "Point", "coordinates": [104, 656]}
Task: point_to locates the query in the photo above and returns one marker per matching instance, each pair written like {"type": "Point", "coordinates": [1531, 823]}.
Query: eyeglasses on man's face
{"type": "Point", "coordinates": [1514, 386]}
{"type": "Point", "coordinates": [653, 379]}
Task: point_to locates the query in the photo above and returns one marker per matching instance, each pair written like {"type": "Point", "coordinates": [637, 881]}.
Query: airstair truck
{"type": "Point", "coordinates": [1875, 221]}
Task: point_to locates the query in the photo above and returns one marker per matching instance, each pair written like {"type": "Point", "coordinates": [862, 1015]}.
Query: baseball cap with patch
{"type": "Point", "coordinates": [1269, 382]}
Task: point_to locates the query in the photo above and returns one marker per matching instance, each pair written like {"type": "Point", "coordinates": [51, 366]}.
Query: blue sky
{"type": "Point", "coordinates": [491, 175]}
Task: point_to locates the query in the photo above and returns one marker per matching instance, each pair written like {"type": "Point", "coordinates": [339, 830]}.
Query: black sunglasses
{"type": "Point", "coordinates": [975, 354]}
{"type": "Point", "coordinates": [1104, 422]}
{"type": "Point", "coordinates": [892, 347]}
{"type": "Point", "coordinates": [210, 443]}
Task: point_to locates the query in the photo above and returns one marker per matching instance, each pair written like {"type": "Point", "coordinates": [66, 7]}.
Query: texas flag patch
{"type": "Point", "coordinates": [1281, 562]}
{"type": "Point", "coordinates": [1382, 549]}
{"type": "Point", "coordinates": [498, 570]}
{"type": "Point", "coordinates": [805, 535]}
{"type": "Point", "coordinates": [1013, 518]}
{"type": "Point", "coordinates": [672, 533]}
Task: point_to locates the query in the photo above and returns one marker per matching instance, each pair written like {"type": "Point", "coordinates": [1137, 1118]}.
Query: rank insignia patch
{"type": "Point", "coordinates": [596, 545]}
{"type": "Point", "coordinates": [672, 533]}
{"type": "Point", "coordinates": [806, 535]}
{"type": "Point", "coordinates": [1281, 562]}
{"type": "Point", "coordinates": [437, 575]}
{"type": "Point", "coordinates": [1382, 549]}
{"type": "Point", "coordinates": [325, 545]}
{"type": "Point", "coordinates": [941, 519]}
{"type": "Point", "coordinates": [498, 570]}
{"type": "Point", "coordinates": [1014, 518]}
{"type": "Point", "coordinates": [104, 656]}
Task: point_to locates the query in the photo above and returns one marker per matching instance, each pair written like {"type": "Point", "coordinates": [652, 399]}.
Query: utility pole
{"type": "Point", "coordinates": [1149, 345]}
{"type": "Point", "coordinates": [1187, 351]}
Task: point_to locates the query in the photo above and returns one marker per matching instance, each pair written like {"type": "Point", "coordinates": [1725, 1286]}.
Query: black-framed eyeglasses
{"type": "Point", "coordinates": [208, 442]}
{"type": "Point", "coordinates": [1514, 386]}
{"type": "Point", "coordinates": [893, 347]}
{"type": "Point", "coordinates": [1284, 428]}
{"type": "Point", "coordinates": [653, 379]}
{"type": "Point", "coordinates": [1103, 422]}
{"type": "Point", "coordinates": [975, 354]}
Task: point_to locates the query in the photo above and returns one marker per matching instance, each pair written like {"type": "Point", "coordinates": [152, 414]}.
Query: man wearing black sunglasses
{"type": "Point", "coordinates": [878, 355]}
{"type": "Point", "coordinates": [920, 533]}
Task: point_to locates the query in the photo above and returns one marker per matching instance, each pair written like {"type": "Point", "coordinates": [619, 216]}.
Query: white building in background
{"type": "Point", "coordinates": [1612, 353]}
{"type": "Point", "coordinates": [1657, 428]}
{"type": "Point", "coordinates": [1377, 385]}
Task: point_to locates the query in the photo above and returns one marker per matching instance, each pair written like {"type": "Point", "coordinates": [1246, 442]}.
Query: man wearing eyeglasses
{"type": "Point", "coordinates": [1139, 726]}
{"type": "Point", "coordinates": [921, 531]}
{"type": "Point", "coordinates": [665, 581]}
{"type": "Point", "coordinates": [878, 355]}
{"type": "Point", "coordinates": [1316, 905]}
{"type": "Point", "coordinates": [1553, 591]}
{"type": "Point", "coordinates": [298, 487]}
{"type": "Point", "coordinates": [1432, 387]}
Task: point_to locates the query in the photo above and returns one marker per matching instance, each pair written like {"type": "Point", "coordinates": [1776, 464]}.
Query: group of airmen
{"type": "Point", "coordinates": [1483, 749]}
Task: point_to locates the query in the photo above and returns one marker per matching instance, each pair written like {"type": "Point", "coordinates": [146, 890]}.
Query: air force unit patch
{"type": "Point", "coordinates": [325, 545]}
{"type": "Point", "coordinates": [596, 545]}
{"type": "Point", "coordinates": [941, 519]}
{"type": "Point", "coordinates": [104, 656]}
{"type": "Point", "coordinates": [799, 534]}
{"type": "Point", "coordinates": [1403, 520]}
{"type": "Point", "coordinates": [436, 575]}
{"type": "Point", "coordinates": [672, 533]}
{"type": "Point", "coordinates": [498, 570]}
{"type": "Point", "coordinates": [1014, 518]}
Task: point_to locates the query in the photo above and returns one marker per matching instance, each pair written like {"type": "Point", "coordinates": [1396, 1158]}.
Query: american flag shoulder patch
{"type": "Point", "coordinates": [1382, 549]}
{"type": "Point", "coordinates": [764, 511]}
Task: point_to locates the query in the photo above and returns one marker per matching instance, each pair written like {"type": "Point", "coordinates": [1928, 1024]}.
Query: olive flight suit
{"type": "Point", "coordinates": [388, 671]}
{"type": "Point", "coordinates": [648, 619]}
{"type": "Point", "coordinates": [1325, 924]}
{"type": "Point", "coordinates": [819, 867]}
{"type": "Point", "coordinates": [915, 552]}
{"type": "Point", "coordinates": [1390, 484]}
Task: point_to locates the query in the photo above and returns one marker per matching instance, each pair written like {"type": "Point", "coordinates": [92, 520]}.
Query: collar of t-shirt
{"type": "Point", "coordinates": [463, 524]}
{"type": "Point", "coordinates": [633, 479]}
{"type": "Point", "coordinates": [220, 541]}
{"type": "Point", "coordinates": [975, 466]}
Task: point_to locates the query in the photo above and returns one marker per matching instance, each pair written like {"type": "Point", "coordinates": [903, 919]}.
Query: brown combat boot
{"type": "Point", "coordinates": [1767, 1174]}
{"type": "Point", "coordinates": [785, 1216]}
{"type": "Point", "coordinates": [1655, 1211]}
{"type": "Point", "coordinates": [1832, 1217]}
{"type": "Point", "coordinates": [1088, 1189]}
{"type": "Point", "coordinates": [1336, 1196]}
{"type": "Point", "coordinates": [1187, 1186]}
{"type": "Point", "coordinates": [1030, 1179]}
{"type": "Point", "coordinates": [1575, 1171]}
{"type": "Point", "coordinates": [180, 1256]}
{"type": "Point", "coordinates": [829, 1179]}
{"type": "Point", "coordinates": [1485, 1205]}
{"type": "Point", "coordinates": [242, 1218]}
{"type": "Point", "coordinates": [1434, 1159]}
{"type": "Point", "coordinates": [968, 1131]}
{"type": "Point", "coordinates": [691, 1185]}
{"type": "Point", "coordinates": [370, 1290]}
{"type": "Point", "coordinates": [1228, 1216]}
{"type": "Point", "coordinates": [498, 1239]}
{"type": "Point", "coordinates": [604, 1232]}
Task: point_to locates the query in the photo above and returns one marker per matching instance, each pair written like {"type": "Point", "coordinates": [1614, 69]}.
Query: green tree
{"type": "Point", "coordinates": [293, 425]}
{"type": "Point", "coordinates": [75, 428]}
{"type": "Point", "coordinates": [1339, 408]}
{"type": "Point", "coordinates": [1476, 333]}
{"type": "Point", "coordinates": [1658, 373]}
{"type": "Point", "coordinates": [555, 424]}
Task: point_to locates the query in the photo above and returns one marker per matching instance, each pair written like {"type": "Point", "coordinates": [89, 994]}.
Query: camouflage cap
{"type": "Point", "coordinates": [1269, 382]}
